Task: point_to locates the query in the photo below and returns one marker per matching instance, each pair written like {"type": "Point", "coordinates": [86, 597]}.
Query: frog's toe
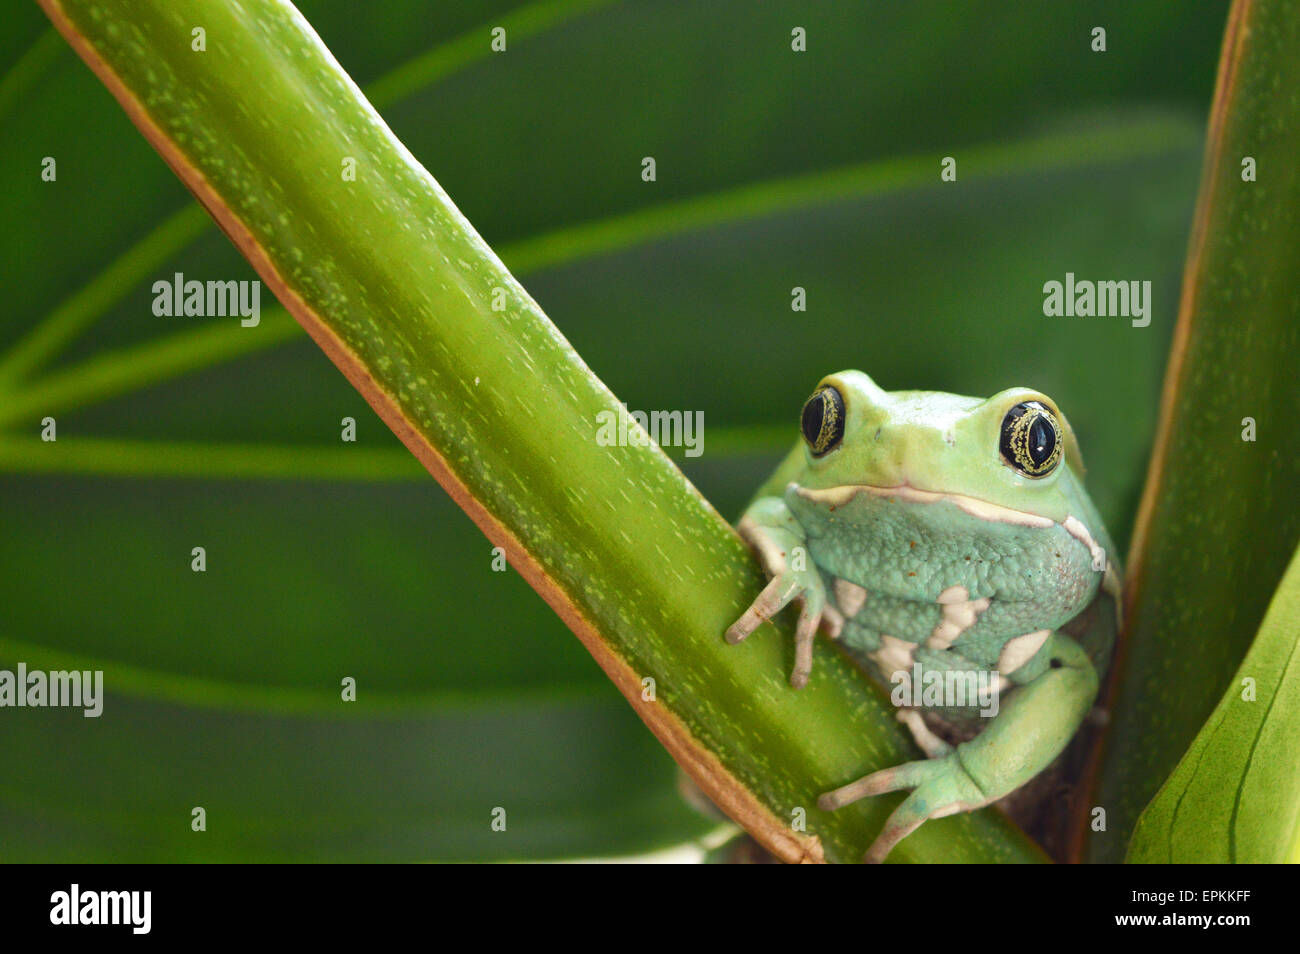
{"type": "Point", "coordinates": [933, 746]}
{"type": "Point", "coordinates": [832, 622]}
{"type": "Point", "coordinates": [805, 632]}
{"type": "Point", "coordinates": [905, 819]}
{"type": "Point", "coordinates": [778, 592]}
{"type": "Point", "coordinates": [907, 775]}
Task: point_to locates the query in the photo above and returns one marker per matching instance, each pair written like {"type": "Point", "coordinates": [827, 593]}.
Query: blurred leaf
{"type": "Point", "coordinates": [575, 777]}
{"type": "Point", "coordinates": [922, 284]}
{"type": "Point", "coordinates": [1235, 796]}
{"type": "Point", "coordinates": [1219, 518]}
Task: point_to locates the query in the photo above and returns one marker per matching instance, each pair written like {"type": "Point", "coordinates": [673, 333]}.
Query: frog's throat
{"type": "Point", "coordinates": [982, 509]}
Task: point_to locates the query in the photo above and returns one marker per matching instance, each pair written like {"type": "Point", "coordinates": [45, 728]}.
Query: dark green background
{"type": "Point", "coordinates": [471, 693]}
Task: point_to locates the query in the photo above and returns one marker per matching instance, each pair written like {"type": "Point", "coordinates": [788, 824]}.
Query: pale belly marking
{"type": "Point", "coordinates": [1020, 650]}
{"type": "Point", "coordinates": [893, 657]}
{"type": "Point", "coordinates": [959, 615]}
{"type": "Point", "coordinates": [850, 597]}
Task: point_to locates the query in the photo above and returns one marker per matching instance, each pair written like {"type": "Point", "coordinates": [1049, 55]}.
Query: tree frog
{"type": "Point", "coordinates": [931, 533]}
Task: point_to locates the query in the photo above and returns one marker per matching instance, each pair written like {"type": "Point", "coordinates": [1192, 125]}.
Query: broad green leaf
{"type": "Point", "coordinates": [308, 582]}
{"type": "Point", "coordinates": [1219, 518]}
{"type": "Point", "coordinates": [1235, 796]}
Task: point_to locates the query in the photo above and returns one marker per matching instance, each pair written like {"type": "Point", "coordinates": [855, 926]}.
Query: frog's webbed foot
{"type": "Point", "coordinates": [788, 586]}
{"type": "Point", "coordinates": [940, 786]}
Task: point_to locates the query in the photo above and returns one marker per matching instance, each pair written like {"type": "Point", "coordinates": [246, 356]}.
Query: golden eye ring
{"type": "Point", "coordinates": [1031, 439]}
{"type": "Point", "coordinates": [822, 422]}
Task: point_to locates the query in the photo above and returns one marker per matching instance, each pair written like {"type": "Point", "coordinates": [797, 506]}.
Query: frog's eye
{"type": "Point", "coordinates": [1031, 439]}
{"type": "Point", "coordinates": [823, 420]}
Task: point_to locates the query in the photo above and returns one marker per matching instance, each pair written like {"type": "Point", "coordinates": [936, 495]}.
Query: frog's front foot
{"type": "Point", "coordinates": [940, 786]}
{"type": "Point", "coordinates": [804, 587]}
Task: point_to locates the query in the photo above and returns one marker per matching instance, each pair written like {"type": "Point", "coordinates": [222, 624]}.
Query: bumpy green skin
{"type": "Point", "coordinates": [914, 541]}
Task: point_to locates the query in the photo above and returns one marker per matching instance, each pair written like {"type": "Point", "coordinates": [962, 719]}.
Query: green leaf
{"type": "Point", "coordinates": [1219, 520]}
{"type": "Point", "coordinates": [575, 777]}
{"type": "Point", "coordinates": [215, 701]}
{"type": "Point", "coordinates": [1235, 796]}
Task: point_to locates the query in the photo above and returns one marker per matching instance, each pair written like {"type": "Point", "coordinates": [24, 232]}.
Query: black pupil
{"type": "Point", "coordinates": [1042, 441]}
{"type": "Point", "coordinates": [1030, 439]}
{"type": "Point", "coordinates": [813, 413]}
{"type": "Point", "coordinates": [822, 421]}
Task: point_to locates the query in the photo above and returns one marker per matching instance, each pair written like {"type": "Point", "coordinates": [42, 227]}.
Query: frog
{"type": "Point", "coordinates": [931, 533]}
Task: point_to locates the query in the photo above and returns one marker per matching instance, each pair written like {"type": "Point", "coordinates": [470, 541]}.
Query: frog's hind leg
{"type": "Point", "coordinates": [1030, 729]}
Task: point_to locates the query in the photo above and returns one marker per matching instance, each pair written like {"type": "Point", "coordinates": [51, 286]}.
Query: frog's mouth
{"type": "Point", "coordinates": [835, 497]}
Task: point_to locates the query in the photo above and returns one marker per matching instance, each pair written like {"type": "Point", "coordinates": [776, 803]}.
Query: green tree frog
{"type": "Point", "coordinates": [946, 542]}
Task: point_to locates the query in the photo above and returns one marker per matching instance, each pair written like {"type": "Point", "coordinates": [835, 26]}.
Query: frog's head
{"type": "Point", "coordinates": [1013, 451]}
{"type": "Point", "coordinates": [921, 495]}
{"type": "Point", "coordinates": [932, 484]}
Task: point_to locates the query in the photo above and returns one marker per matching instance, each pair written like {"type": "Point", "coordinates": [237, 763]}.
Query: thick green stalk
{"type": "Point", "coordinates": [399, 290]}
